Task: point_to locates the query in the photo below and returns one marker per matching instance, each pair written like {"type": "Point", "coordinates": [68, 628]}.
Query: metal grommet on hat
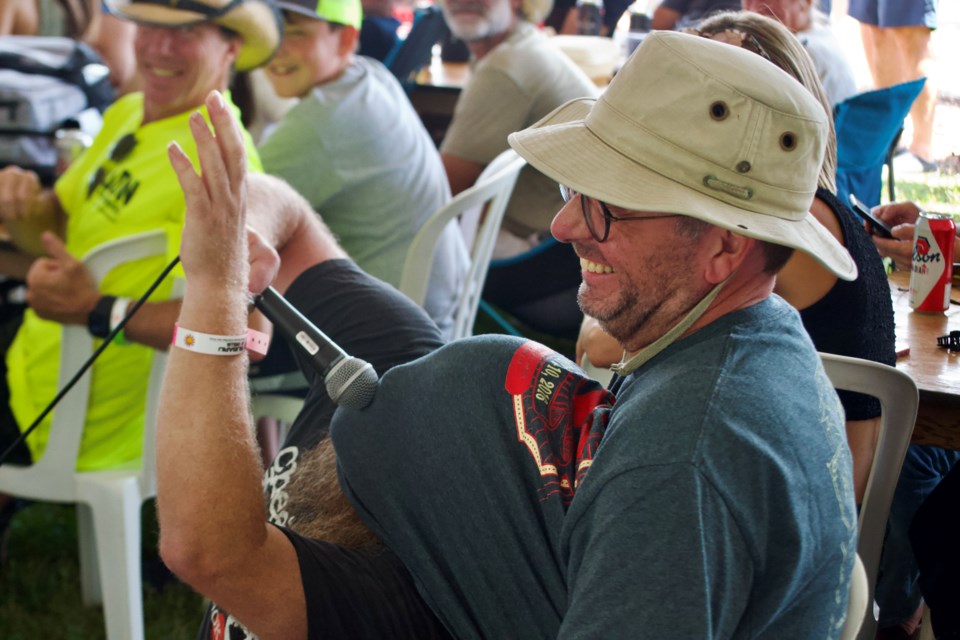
{"type": "Point", "coordinates": [743, 166]}
{"type": "Point", "coordinates": [719, 110]}
{"type": "Point", "coordinates": [788, 141]}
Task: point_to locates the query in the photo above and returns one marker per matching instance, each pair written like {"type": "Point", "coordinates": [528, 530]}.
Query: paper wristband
{"type": "Point", "coordinates": [214, 345]}
{"type": "Point", "coordinates": [117, 312]}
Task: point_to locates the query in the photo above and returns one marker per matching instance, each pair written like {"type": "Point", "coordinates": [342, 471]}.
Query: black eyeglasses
{"type": "Point", "coordinates": [120, 151]}
{"type": "Point", "coordinates": [599, 224]}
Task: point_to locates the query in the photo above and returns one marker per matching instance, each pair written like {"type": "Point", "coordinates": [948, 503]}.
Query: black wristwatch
{"type": "Point", "coordinates": [98, 322]}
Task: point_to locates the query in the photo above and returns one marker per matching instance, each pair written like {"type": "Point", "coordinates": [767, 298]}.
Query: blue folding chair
{"type": "Point", "coordinates": [868, 127]}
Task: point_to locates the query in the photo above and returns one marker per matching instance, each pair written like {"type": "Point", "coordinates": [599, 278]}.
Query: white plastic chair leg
{"type": "Point", "coordinates": [89, 570]}
{"type": "Point", "coordinates": [116, 509]}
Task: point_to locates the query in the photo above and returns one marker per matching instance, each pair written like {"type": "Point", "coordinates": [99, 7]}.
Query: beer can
{"type": "Point", "coordinates": [70, 143]}
{"type": "Point", "coordinates": [932, 268]}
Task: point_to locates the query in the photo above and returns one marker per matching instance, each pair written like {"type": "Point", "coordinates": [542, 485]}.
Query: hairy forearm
{"type": "Point", "coordinates": [289, 224]}
{"type": "Point", "coordinates": [208, 475]}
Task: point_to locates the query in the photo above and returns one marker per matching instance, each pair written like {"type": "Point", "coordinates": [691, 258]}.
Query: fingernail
{"type": "Point", "coordinates": [218, 100]}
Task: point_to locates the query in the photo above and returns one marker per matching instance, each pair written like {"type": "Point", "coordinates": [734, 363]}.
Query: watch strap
{"type": "Point", "coordinates": [98, 320]}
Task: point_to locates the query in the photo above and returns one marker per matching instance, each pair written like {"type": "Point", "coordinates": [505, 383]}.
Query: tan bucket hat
{"type": "Point", "coordinates": [699, 128]}
{"type": "Point", "coordinates": [258, 22]}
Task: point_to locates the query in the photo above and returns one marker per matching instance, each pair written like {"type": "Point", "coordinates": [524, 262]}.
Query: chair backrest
{"type": "Point", "coordinates": [867, 125]}
{"type": "Point", "coordinates": [858, 601]}
{"type": "Point", "coordinates": [899, 398]}
{"type": "Point", "coordinates": [491, 191]}
{"type": "Point", "coordinates": [68, 420]}
{"type": "Point", "coordinates": [414, 52]}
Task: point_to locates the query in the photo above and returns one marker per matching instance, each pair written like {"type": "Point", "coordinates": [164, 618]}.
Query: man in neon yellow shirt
{"type": "Point", "coordinates": [122, 185]}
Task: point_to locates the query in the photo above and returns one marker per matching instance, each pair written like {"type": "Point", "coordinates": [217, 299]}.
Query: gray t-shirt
{"type": "Point", "coordinates": [713, 500]}
{"type": "Point", "coordinates": [357, 151]}
{"type": "Point", "coordinates": [519, 82]}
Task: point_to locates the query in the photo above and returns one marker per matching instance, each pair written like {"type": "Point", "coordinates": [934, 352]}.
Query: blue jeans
{"type": "Point", "coordinates": [897, 593]}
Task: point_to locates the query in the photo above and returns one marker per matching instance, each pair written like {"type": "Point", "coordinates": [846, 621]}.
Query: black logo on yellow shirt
{"type": "Point", "coordinates": [116, 183]}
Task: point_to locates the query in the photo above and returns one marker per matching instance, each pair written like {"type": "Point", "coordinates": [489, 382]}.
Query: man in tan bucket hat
{"type": "Point", "coordinates": [710, 498]}
{"type": "Point", "coordinates": [122, 185]}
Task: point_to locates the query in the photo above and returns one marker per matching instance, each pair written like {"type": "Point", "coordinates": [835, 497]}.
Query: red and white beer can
{"type": "Point", "coordinates": [933, 239]}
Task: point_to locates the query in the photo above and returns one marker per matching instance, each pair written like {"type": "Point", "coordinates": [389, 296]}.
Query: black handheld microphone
{"type": "Point", "coordinates": [350, 381]}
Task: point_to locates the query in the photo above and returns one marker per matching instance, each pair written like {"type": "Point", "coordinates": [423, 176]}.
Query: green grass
{"type": "Point", "coordinates": [40, 585]}
{"type": "Point", "coordinates": [933, 192]}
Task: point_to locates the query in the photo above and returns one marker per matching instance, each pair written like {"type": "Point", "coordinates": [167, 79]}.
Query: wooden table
{"type": "Point", "coordinates": [935, 370]}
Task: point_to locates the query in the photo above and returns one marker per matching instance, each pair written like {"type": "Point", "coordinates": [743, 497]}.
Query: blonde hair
{"type": "Point", "coordinates": [784, 50]}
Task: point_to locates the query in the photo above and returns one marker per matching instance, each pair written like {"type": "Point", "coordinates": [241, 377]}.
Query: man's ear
{"type": "Point", "coordinates": [728, 250]}
{"type": "Point", "coordinates": [349, 40]}
{"type": "Point", "coordinates": [235, 43]}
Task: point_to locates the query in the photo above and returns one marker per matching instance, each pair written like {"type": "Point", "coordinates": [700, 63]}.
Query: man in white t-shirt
{"type": "Point", "coordinates": [813, 30]}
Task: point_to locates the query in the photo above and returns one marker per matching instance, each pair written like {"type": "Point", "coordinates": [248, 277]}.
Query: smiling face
{"type": "Point", "coordinates": [312, 52]}
{"type": "Point", "coordinates": [472, 20]}
{"type": "Point", "coordinates": [181, 65]}
{"type": "Point", "coordinates": [640, 280]}
{"type": "Point", "coordinates": [794, 14]}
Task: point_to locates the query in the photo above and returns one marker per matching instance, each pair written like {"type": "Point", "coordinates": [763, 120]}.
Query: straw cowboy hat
{"type": "Point", "coordinates": [256, 21]}
{"type": "Point", "coordinates": [699, 128]}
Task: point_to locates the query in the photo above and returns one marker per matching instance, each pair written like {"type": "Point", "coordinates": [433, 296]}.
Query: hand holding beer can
{"type": "Point", "coordinates": [932, 269]}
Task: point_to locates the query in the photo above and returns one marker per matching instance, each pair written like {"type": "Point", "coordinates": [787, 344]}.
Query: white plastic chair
{"type": "Point", "coordinates": [898, 396]}
{"type": "Point", "coordinates": [492, 190]}
{"type": "Point", "coordinates": [108, 502]}
{"type": "Point", "coordinates": [858, 602]}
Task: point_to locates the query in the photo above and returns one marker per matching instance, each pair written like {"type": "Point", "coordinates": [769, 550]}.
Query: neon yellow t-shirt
{"type": "Point", "coordinates": [138, 192]}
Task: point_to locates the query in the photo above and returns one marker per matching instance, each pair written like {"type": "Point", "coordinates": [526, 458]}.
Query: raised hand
{"type": "Point", "coordinates": [214, 245]}
{"type": "Point", "coordinates": [901, 217]}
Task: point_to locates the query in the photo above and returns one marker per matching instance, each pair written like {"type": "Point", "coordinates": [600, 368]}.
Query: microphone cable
{"type": "Point", "coordinates": [89, 363]}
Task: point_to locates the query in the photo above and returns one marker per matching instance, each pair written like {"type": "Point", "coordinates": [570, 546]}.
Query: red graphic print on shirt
{"type": "Point", "coordinates": [560, 416]}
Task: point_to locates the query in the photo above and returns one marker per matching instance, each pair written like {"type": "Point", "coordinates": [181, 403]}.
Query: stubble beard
{"type": "Point", "coordinates": [660, 295]}
{"type": "Point", "coordinates": [623, 319]}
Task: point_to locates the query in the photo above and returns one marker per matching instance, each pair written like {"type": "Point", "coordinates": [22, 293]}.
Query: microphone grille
{"type": "Point", "coordinates": [352, 383]}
